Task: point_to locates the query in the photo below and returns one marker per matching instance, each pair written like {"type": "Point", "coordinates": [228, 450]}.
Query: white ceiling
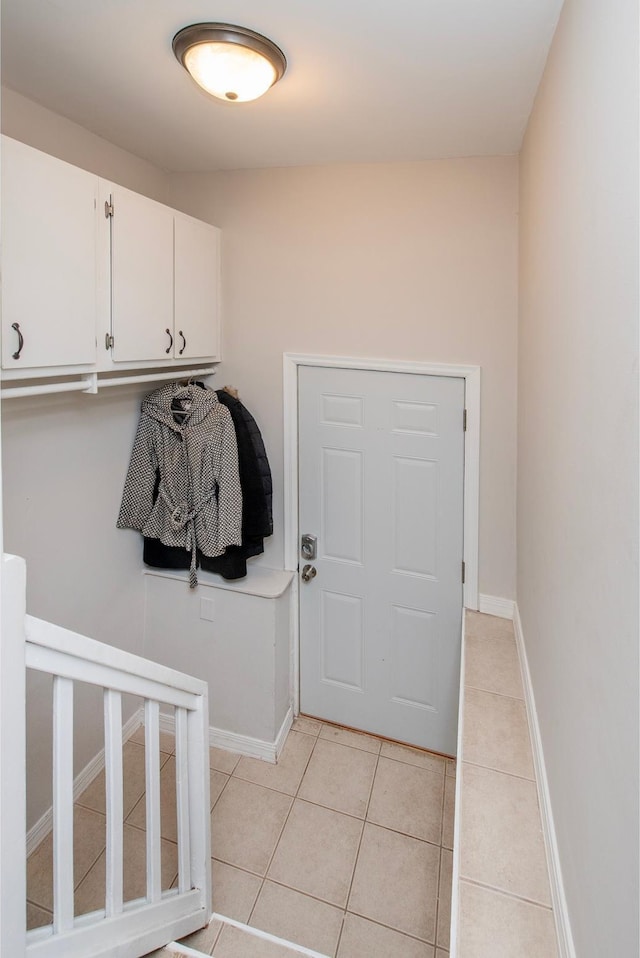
{"type": "Point", "coordinates": [367, 81]}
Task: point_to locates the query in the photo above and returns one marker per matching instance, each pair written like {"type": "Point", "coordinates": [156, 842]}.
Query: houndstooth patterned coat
{"type": "Point", "coordinates": [198, 504]}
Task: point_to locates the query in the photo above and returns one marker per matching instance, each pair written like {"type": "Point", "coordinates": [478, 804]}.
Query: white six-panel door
{"type": "Point", "coordinates": [381, 460]}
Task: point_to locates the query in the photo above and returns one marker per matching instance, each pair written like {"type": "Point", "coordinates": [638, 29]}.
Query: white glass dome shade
{"type": "Point", "coordinates": [229, 62]}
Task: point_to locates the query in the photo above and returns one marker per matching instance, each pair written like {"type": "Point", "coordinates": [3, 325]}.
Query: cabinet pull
{"type": "Point", "coordinates": [16, 326]}
{"type": "Point", "coordinates": [169, 347]}
{"type": "Point", "coordinates": [184, 342]}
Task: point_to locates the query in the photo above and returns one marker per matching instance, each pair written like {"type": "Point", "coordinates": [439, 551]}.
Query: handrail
{"type": "Point", "coordinates": [60, 640]}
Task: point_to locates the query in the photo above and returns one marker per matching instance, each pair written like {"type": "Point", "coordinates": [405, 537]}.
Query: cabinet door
{"type": "Point", "coordinates": [141, 277]}
{"type": "Point", "coordinates": [197, 280]}
{"type": "Point", "coordinates": [48, 260]}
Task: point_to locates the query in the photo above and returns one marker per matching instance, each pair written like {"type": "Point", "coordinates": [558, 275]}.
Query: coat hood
{"type": "Point", "coordinates": [197, 403]}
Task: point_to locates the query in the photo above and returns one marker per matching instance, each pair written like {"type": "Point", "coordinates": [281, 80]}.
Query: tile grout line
{"type": "Point", "coordinates": [338, 811]}
{"type": "Point", "coordinates": [305, 894]}
{"type": "Point", "coordinates": [102, 854]}
{"type": "Point", "coordinates": [423, 768]}
{"type": "Point", "coordinates": [379, 738]}
{"type": "Point", "coordinates": [102, 851]}
{"type": "Point", "coordinates": [125, 820]}
{"type": "Point", "coordinates": [284, 825]}
{"type": "Point", "coordinates": [355, 864]}
{"type": "Point", "coordinates": [503, 695]}
{"type": "Point", "coordinates": [395, 831]}
{"type": "Point", "coordinates": [444, 798]}
{"type": "Point", "coordinates": [374, 921]}
{"type": "Point", "coordinates": [217, 938]}
{"type": "Point", "coordinates": [211, 855]}
{"type": "Point", "coordinates": [499, 771]}
{"type": "Point", "coordinates": [239, 868]}
{"type": "Point", "coordinates": [500, 695]}
{"type": "Point", "coordinates": [398, 931]}
{"type": "Point", "coordinates": [507, 894]}
{"type": "Point", "coordinates": [136, 745]}
{"type": "Point", "coordinates": [36, 905]}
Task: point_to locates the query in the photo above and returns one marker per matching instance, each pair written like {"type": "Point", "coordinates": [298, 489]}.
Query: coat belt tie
{"type": "Point", "coordinates": [183, 516]}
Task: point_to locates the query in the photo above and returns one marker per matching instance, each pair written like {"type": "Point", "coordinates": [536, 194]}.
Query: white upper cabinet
{"type": "Point", "coordinates": [49, 259]}
{"type": "Point", "coordinates": [86, 263]}
{"type": "Point", "coordinates": [197, 283]}
{"type": "Point", "coordinates": [141, 277]}
{"type": "Point", "coordinates": [164, 281]}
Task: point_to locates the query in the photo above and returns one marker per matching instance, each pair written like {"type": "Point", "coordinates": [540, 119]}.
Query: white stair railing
{"type": "Point", "coordinates": [12, 757]}
{"type": "Point", "coordinates": [124, 929]}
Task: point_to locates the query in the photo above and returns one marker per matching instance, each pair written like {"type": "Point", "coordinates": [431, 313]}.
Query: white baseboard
{"type": "Point", "coordinates": [566, 947]}
{"type": "Point", "coordinates": [252, 747]}
{"type": "Point", "coordinates": [455, 886]}
{"type": "Point", "coordinates": [243, 744]}
{"type": "Point", "coordinates": [494, 605]}
{"type": "Point", "coordinates": [285, 728]}
{"type": "Point", "coordinates": [38, 832]}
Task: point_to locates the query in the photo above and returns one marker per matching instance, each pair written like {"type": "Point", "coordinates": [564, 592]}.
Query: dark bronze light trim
{"type": "Point", "coordinates": [229, 33]}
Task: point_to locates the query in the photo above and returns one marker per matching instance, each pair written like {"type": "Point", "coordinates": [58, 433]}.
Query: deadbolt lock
{"type": "Point", "coordinates": [308, 546]}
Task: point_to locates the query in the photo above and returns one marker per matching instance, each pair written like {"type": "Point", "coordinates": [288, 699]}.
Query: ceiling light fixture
{"type": "Point", "coordinates": [229, 62]}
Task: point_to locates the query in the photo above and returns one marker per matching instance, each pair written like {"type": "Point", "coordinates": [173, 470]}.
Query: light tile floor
{"type": "Point", "coordinates": [343, 847]}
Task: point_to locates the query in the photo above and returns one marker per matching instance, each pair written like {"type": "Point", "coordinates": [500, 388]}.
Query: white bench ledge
{"type": "Point", "coordinates": [501, 901]}
{"type": "Point", "coordinates": [260, 580]}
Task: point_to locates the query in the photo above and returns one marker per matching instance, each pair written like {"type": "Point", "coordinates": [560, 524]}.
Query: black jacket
{"type": "Point", "coordinates": [257, 496]}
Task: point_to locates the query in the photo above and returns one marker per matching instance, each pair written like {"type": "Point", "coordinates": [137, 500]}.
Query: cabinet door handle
{"type": "Point", "coordinates": [170, 346]}
{"type": "Point", "coordinates": [184, 342]}
{"type": "Point", "coordinates": [16, 326]}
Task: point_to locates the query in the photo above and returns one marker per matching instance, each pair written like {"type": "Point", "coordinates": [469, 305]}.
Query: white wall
{"type": "Point", "coordinates": [31, 123]}
{"type": "Point", "coordinates": [64, 459]}
{"type": "Point", "coordinates": [409, 261]}
{"type": "Point", "coordinates": [578, 458]}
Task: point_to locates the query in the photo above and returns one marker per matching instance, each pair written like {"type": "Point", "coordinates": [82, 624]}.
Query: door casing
{"type": "Point", "coordinates": [471, 376]}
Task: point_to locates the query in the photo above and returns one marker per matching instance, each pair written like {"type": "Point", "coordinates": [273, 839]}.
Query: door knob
{"type": "Point", "coordinates": [308, 573]}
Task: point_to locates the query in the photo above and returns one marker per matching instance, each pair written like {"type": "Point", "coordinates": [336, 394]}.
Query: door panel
{"type": "Point", "coordinates": [342, 502]}
{"type": "Point", "coordinates": [414, 662]}
{"type": "Point", "coordinates": [381, 485]}
{"type": "Point", "coordinates": [141, 277]}
{"type": "Point", "coordinates": [49, 260]}
{"type": "Point", "coordinates": [414, 533]}
{"type": "Point", "coordinates": [341, 638]}
{"type": "Point", "coordinates": [197, 256]}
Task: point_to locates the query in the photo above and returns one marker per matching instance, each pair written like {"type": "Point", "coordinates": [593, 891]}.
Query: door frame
{"type": "Point", "coordinates": [471, 376]}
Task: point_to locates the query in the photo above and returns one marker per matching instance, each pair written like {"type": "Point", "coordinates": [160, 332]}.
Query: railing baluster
{"type": "Point", "coordinates": [199, 800]}
{"type": "Point", "coordinates": [182, 801]}
{"type": "Point", "coordinates": [114, 804]}
{"type": "Point", "coordinates": [68, 658]}
{"type": "Point", "coordinates": [62, 804]}
{"type": "Point", "coordinates": [152, 772]}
